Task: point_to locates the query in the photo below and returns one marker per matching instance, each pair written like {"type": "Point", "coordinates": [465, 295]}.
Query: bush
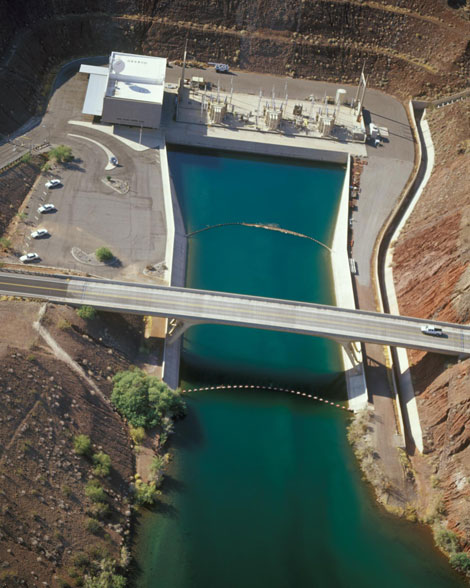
{"type": "Point", "coordinates": [93, 526]}
{"type": "Point", "coordinates": [102, 463]}
{"type": "Point", "coordinates": [145, 493]}
{"type": "Point", "coordinates": [26, 158]}
{"type": "Point", "coordinates": [99, 510]}
{"type": "Point", "coordinates": [137, 434]}
{"type": "Point", "coordinates": [460, 561]}
{"type": "Point", "coordinates": [446, 540]}
{"type": "Point", "coordinates": [61, 153]}
{"type": "Point", "coordinates": [86, 312]}
{"type": "Point", "coordinates": [145, 400]}
{"type": "Point", "coordinates": [95, 492]}
{"type": "Point", "coordinates": [82, 445]}
{"type": "Point", "coordinates": [103, 254]}
{"type": "Point", "coordinates": [5, 243]}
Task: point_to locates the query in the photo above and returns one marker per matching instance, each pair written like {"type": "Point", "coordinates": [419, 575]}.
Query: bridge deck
{"type": "Point", "coordinates": [249, 311]}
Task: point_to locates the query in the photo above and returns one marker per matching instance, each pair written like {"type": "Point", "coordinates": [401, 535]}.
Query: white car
{"type": "Point", "coordinates": [46, 208]}
{"type": "Point", "coordinates": [53, 183]}
{"type": "Point", "coordinates": [431, 330]}
{"type": "Point", "coordinates": [39, 233]}
{"type": "Point", "coordinates": [29, 257]}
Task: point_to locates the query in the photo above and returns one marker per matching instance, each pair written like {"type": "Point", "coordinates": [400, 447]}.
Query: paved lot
{"type": "Point", "coordinates": [90, 214]}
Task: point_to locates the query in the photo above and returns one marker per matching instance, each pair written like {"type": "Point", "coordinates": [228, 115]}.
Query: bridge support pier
{"type": "Point", "coordinates": [176, 327]}
{"type": "Point", "coordinates": [350, 348]}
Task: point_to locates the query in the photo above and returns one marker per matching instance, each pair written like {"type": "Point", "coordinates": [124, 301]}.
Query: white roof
{"type": "Point", "coordinates": [95, 93]}
{"type": "Point", "coordinates": [138, 68]}
{"type": "Point", "coordinates": [136, 91]}
{"type": "Point", "coordinates": [94, 69]}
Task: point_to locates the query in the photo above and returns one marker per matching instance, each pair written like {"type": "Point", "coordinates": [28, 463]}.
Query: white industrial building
{"type": "Point", "coordinates": [129, 91]}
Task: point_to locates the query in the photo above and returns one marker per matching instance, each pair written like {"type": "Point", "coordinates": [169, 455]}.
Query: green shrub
{"type": "Point", "coordinates": [26, 158]}
{"type": "Point", "coordinates": [145, 493]}
{"type": "Point", "coordinates": [95, 492]}
{"type": "Point", "coordinates": [137, 434]}
{"type": "Point", "coordinates": [104, 254]}
{"type": "Point", "coordinates": [81, 560]}
{"type": "Point", "coordinates": [102, 463]}
{"type": "Point", "coordinates": [446, 540]}
{"type": "Point", "coordinates": [5, 243]}
{"type": "Point", "coordinates": [61, 153]}
{"type": "Point", "coordinates": [145, 400]}
{"type": "Point", "coordinates": [93, 526]}
{"type": "Point", "coordinates": [86, 312]}
{"type": "Point", "coordinates": [460, 561]}
{"type": "Point", "coordinates": [99, 510]}
{"type": "Point", "coordinates": [82, 445]}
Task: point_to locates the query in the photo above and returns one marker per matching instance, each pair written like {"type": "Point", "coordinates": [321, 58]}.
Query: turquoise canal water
{"type": "Point", "coordinates": [264, 491]}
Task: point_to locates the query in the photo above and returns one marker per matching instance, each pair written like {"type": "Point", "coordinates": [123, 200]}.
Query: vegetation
{"type": "Point", "coordinates": [5, 243]}
{"type": "Point", "coordinates": [61, 154]}
{"type": "Point", "coordinates": [446, 540]}
{"type": "Point", "coordinates": [86, 312]}
{"type": "Point", "coordinates": [82, 445]}
{"type": "Point", "coordinates": [93, 526]}
{"type": "Point", "coordinates": [145, 400]}
{"type": "Point", "coordinates": [145, 493]}
{"type": "Point", "coordinates": [460, 561]}
{"type": "Point", "coordinates": [137, 434]}
{"type": "Point", "coordinates": [99, 510]}
{"type": "Point", "coordinates": [95, 492]}
{"type": "Point", "coordinates": [102, 464]}
{"type": "Point", "coordinates": [104, 254]}
{"type": "Point", "coordinates": [26, 158]}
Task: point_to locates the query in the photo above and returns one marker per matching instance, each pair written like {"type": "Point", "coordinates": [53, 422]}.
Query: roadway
{"type": "Point", "coordinates": [199, 306]}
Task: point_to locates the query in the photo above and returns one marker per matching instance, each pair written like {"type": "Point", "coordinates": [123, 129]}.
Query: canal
{"type": "Point", "coordinates": [264, 490]}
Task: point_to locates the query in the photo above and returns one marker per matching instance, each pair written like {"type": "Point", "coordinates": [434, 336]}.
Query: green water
{"type": "Point", "coordinates": [264, 491]}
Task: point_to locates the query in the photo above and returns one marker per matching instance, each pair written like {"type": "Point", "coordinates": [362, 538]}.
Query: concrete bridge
{"type": "Point", "coordinates": [186, 307]}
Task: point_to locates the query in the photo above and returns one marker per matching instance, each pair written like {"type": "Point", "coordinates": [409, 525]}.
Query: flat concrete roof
{"type": "Point", "coordinates": [136, 91]}
{"type": "Point", "coordinates": [136, 77]}
{"type": "Point", "coordinates": [138, 68]}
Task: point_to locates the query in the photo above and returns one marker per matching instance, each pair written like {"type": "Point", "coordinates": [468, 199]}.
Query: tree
{"type": "Point", "coordinates": [61, 153]}
{"type": "Point", "coordinates": [145, 400]}
{"type": "Point", "coordinates": [102, 463]}
{"type": "Point", "coordinates": [86, 312]}
{"type": "Point", "coordinates": [104, 254]}
{"type": "Point", "coordinates": [82, 445]}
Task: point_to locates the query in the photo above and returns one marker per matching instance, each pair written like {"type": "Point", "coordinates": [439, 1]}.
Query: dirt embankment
{"type": "Point", "coordinates": [432, 278]}
{"type": "Point", "coordinates": [422, 48]}
{"type": "Point", "coordinates": [45, 530]}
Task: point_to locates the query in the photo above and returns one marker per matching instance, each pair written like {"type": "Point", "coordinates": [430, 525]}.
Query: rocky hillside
{"type": "Point", "coordinates": [435, 246]}
{"type": "Point", "coordinates": [414, 47]}
{"type": "Point", "coordinates": [53, 527]}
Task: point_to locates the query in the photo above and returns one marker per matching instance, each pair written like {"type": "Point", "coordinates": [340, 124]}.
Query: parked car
{"type": "Point", "coordinates": [39, 233]}
{"type": "Point", "coordinates": [431, 330]}
{"type": "Point", "coordinates": [46, 208]}
{"type": "Point", "coordinates": [53, 183]}
{"type": "Point", "coordinates": [29, 257]}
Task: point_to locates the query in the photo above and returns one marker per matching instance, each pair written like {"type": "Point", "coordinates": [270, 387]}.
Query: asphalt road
{"type": "Point", "coordinates": [249, 311]}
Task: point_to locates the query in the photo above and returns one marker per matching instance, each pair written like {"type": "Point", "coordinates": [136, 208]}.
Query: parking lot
{"type": "Point", "coordinates": [119, 208]}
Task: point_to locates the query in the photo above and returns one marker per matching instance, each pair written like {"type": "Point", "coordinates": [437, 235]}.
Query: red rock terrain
{"type": "Point", "coordinates": [432, 276]}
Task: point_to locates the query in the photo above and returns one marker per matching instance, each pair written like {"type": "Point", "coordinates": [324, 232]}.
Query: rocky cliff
{"type": "Point", "coordinates": [421, 48]}
{"type": "Point", "coordinates": [432, 275]}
